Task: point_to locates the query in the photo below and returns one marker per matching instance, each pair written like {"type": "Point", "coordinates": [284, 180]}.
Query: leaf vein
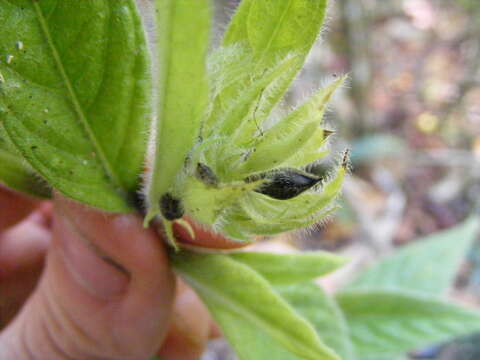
{"type": "Point", "coordinates": [107, 167]}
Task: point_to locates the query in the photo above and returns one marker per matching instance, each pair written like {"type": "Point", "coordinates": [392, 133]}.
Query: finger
{"type": "Point", "coordinates": [215, 331]}
{"type": "Point", "coordinates": [190, 328]}
{"type": "Point", "coordinates": [22, 253]}
{"type": "Point", "coordinates": [107, 291]}
{"type": "Point", "coordinates": [14, 207]}
{"type": "Point", "coordinates": [23, 247]}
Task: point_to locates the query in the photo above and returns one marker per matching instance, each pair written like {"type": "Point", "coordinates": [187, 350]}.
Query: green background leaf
{"type": "Point", "coordinates": [76, 94]}
{"type": "Point", "coordinates": [313, 304]}
{"type": "Point", "coordinates": [393, 322]}
{"type": "Point", "coordinates": [429, 265]}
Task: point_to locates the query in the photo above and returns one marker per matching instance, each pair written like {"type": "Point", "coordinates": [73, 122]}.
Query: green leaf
{"type": "Point", "coordinates": [258, 323]}
{"type": "Point", "coordinates": [75, 95]}
{"type": "Point", "coordinates": [15, 172]}
{"type": "Point", "coordinates": [271, 27]}
{"type": "Point", "coordinates": [386, 357]}
{"type": "Point", "coordinates": [207, 204]}
{"type": "Point", "coordinates": [312, 303]}
{"type": "Point", "coordinates": [312, 110]}
{"type": "Point", "coordinates": [429, 265]}
{"type": "Point", "coordinates": [270, 155]}
{"type": "Point", "coordinates": [253, 105]}
{"type": "Point", "coordinates": [237, 224]}
{"type": "Point", "coordinates": [392, 322]}
{"type": "Point", "coordinates": [268, 31]}
{"type": "Point", "coordinates": [183, 40]}
{"type": "Point", "coordinates": [283, 269]}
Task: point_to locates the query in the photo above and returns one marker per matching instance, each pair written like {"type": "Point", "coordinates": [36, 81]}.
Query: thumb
{"type": "Point", "coordinates": [107, 291]}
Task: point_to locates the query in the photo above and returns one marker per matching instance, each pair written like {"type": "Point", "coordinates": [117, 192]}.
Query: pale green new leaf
{"type": "Point", "coordinates": [429, 265]}
{"type": "Point", "coordinates": [253, 105]}
{"type": "Point", "coordinates": [206, 204]}
{"type": "Point", "coordinates": [258, 323]}
{"type": "Point", "coordinates": [312, 110]}
{"type": "Point", "coordinates": [268, 31]}
{"type": "Point", "coordinates": [311, 302]}
{"type": "Point", "coordinates": [272, 28]}
{"type": "Point", "coordinates": [183, 30]}
{"type": "Point", "coordinates": [282, 269]}
{"type": "Point", "coordinates": [298, 135]}
{"type": "Point", "coordinates": [273, 154]}
{"type": "Point", "coordinates": [75, 94]}
{"type": "Point", "coordinates": [393, 322]}
{"type": "Point", "coordinates": [237, 224]}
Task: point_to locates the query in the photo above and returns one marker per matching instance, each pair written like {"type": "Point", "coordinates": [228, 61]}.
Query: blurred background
{"type": "Point", "coordinates": [411, 115]}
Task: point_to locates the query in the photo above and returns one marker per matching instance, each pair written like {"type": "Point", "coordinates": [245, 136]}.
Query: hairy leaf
{"type": "Point", "coordinates": [207, 204]}
{"type": "Point", "coordinates": [312, 110]}
{"type": "Point", "coordinates": [257, 322]}
{"type": "Point", "coordinates": [16, 173]}
{"type": "Point", "coordinates": [183, 39]}
{"type": "Point", "coordinates": [281, 269]}
{"type": "Point", "coordinates": [416, 267]}
{"type": "Point", "coordinates": [271, 27]}
{"type": "Point", "coordinates": [273, 154]}
{"type": "Point", "coordinates": [392, 322]}
{"type": "Point", "coordinates": [253, 106]}
{"type": "Point", "coordinates": [75, 94]}
{"type": "Point", "coordinates": [268, 31]}
{"type": "Point", "coordinates": [311, 302]}
{"type": "Point", "coordinates": [247, 227]}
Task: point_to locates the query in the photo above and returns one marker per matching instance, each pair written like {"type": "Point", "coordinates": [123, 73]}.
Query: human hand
{"type": "Point", "coordinates": [105, 289]}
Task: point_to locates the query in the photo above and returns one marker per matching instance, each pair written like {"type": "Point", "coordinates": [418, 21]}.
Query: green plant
{"type": "Point", "coordinates": [78, 92]}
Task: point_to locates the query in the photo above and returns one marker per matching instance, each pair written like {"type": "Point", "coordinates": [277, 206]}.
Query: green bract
{"type": "Point", "coordinates": [220, 109]}
{"type": "Point", "coordinates": [77, 102]}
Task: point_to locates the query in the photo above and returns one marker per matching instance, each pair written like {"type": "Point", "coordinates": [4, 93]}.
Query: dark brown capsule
{"type": "Point", "coordinates": [171, 207]}
{"type": "Point", "coordinates": [285, 184]}
{"type": "Point", "coordinates": [206, 175]}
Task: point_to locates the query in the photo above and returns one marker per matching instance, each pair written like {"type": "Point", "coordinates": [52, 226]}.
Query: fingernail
{"type": "Point", "coordinates": [91, 270]}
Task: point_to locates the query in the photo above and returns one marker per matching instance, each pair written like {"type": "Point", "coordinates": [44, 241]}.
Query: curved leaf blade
{"type": "Point", "coordinates": [14, 171]}
{"type": "Point", "coordinates": [313, 304]}
{"type": "Point", "coordinates": [75, 92]}
{"type": "Point", "coordinates": [415, 267]}
{"type": "Point", "coordinates": [274, 27]}
{"type": "Point", "coordinates": [183, 40]}
{"type": "Point", "coordinates": [268, 325]}
{"type": "Point", "coordinates": [393, 322]}
{"type": "Point", "coordinates": [267, 31]}
{"type": "Point", "coordinates": [282, 269]}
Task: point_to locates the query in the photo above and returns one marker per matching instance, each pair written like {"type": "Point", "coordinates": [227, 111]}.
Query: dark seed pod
{"type": "Point", "coordinates": [206, 175]}
{"type": "Point", "coordinates": [327, 133]}
{"type": "Point", "coordinates": [285, 184]}
{"type": "Point", "coordinates": [171, 207]}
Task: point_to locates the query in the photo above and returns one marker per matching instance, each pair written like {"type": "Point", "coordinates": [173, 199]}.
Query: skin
{"type": "Point", "coordinates": [76, 283]}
